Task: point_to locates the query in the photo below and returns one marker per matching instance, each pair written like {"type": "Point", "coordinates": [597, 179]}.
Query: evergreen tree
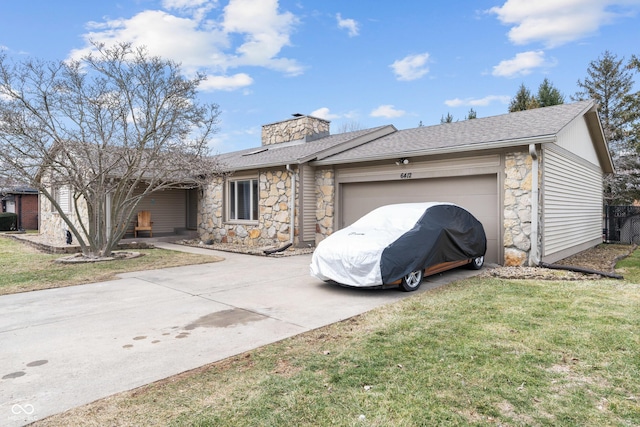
{"type": "Point", "coordinates": [446, 119]}
{"type": "Point", "coordinates": [549, 95]}
{"type": "Point", "coordinates": [471, 114]}
{"type": "Point", "coordinates": [523, 100]}
{"type": "Point", "coordinates": [609, 83]}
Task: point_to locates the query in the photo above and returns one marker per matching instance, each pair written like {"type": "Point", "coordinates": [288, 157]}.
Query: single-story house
{"type": "Point", "coordinates": [23, 201]}
{"type": "Point", "coordinates": [533, 178]}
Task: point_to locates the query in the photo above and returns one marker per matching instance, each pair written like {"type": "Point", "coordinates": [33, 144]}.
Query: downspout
{"type": "Point", "coordinates": [534, 256]}
{"type": "Point", "coordinates": [292, 204]}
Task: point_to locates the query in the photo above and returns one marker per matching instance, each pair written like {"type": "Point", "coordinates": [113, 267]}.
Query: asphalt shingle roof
{"type": "Point", "coordinates": [511, 128]}
{"type": "Point", "coordinates": [527, 124]}
{"type": "Point", "coordinates": [288, 152]}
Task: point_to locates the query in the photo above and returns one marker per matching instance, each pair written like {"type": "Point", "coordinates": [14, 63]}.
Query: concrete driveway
{"type": "Point", "coordinates": [62, 348]}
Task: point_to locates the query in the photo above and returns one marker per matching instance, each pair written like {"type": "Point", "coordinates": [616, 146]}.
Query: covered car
{"type": "Point", "coordinates": [398, 244]}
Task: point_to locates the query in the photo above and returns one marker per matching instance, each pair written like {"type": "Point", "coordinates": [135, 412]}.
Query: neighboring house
{"type": "Point", "coordinates": [22, 201]}
{"type": "Point", "coordinates": [485, 165]}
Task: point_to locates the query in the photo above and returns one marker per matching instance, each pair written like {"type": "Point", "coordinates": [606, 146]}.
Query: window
{"type": "Point", "coordinates": [243, 199]}
{"type": "Point", "coordinates": [62, 195]}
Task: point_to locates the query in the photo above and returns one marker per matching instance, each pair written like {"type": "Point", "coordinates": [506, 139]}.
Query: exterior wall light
{"type": "Point", "coordinates": [402, 161]}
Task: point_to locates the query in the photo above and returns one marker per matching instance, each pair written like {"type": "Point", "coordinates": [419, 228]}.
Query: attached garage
{"type": "Point", "coordinates": [533, 178]}
{"type": "Point", "coordinates": [476, 193]}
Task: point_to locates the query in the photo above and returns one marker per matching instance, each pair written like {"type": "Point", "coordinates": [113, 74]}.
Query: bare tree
{"type": "Point", "coordinates": [110, 129]}
{"type": "Point", "coordinates": [349, 126]}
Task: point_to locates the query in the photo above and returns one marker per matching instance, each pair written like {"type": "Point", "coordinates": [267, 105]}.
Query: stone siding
{"type": "Point", "coordinates": [517, 209]}
{"type": "Point", "coordinates": [294, 129]}
{"type": "Point", "coordinates": [53, 227]}
{"type": "Point", "coordinates": [273, 226]}
{"type": "Point", "coordinates": [325, 199]}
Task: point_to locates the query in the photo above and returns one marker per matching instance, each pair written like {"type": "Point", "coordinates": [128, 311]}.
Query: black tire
{"type": "Point", "coordinates": [412, 281]}
{"type": "Point", "coordinates": [476, 263]}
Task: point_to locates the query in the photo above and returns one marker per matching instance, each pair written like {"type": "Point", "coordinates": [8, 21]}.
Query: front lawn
{"type": "Point", "coordinates": [23, 268]}
{"type": "Point", "coordinates": [482, 351]}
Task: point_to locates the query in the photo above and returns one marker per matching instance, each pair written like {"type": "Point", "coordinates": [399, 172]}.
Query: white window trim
{"type": "Point", "coordinates": [228, 200]}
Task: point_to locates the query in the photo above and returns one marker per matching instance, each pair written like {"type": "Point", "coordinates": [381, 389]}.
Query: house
{"type": "Point", "coordinates": [23, 201]}
{"type": "Point", "coordinates": [172, 204]}
{"type": "Point", "coordinates": [533, 178]}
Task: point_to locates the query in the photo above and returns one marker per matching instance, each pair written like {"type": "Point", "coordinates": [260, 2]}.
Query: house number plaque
{"type": "Point", "coordinates": [405, 175]}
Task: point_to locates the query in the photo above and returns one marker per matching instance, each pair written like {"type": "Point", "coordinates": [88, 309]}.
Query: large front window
{"type": "Point", "coordinates": [243, 199]}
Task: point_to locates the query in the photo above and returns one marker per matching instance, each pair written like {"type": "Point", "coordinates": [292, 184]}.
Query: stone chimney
{"type": "Point", "coordinates": [300, 127]}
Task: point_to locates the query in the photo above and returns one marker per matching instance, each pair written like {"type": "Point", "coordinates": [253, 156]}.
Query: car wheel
{"type": "Point", "coordinates": [411, 281]}
{"type": "Point", "coordinates": [476, 263]}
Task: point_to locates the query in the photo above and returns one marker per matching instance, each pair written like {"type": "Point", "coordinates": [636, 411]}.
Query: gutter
{"type": "Point", "coordinates": [534, 256]}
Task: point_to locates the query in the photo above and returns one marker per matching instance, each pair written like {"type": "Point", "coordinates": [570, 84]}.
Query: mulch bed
{"type": "Point", "coordinates": [601, 258]}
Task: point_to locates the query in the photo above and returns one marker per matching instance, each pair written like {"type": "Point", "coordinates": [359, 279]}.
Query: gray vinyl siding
{"type": "Point", "coordinates": [576, 139]}
{"type": "Point", "coordinates": [308, 204]}
{"type": "Point", "coordinates": [571, 204]}
{"type": "Point", "coordinates": [168, 210]}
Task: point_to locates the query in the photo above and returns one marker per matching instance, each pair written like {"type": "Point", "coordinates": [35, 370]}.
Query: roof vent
{"type": "Point", "coordinates": [297, 115]}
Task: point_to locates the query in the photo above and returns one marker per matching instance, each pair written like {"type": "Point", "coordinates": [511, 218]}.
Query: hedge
{"type": "Point", "coordinates": [8, 221]}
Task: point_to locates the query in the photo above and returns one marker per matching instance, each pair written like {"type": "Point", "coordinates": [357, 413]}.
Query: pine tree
{"type": "Point", "coordinates": [549, 95]}
{"type": "Point", "coordinates": [471, 114]}
{"type": "Point", "coordinates": [523, 100]}
{"type": "Point", "coordinates": [609, 83]}
{"type": "Point", "coordinates": [446, 119]}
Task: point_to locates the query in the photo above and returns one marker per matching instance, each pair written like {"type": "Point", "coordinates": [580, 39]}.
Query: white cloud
{"type": "Point", "coordinates": [560, 21]}
{"type": "Point", "coordinates": [266, 32]}
{"type": "Point", "coordinates": [227, 83]}
{"type": "Point", "coordinates": [521, 65]}
{"type": "Point", "coordinates": [186, 4]}
{"type": "Point", "coordinates": [203, 38]}
{"type": "Point", "coordinates": [324, 113]}
{"type": "Point", "coordinates": [387, 111]}
{"type": "Point", "coordinates": [480, 102]}
{"type": "Point", "coordinates": [349, 24]}
{"type": "Point", "coordinates": [411, 67]}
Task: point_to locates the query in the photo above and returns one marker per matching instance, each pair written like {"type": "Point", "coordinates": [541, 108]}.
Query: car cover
{"type": "Point", "coordinates": [444, 233]}
{"type": "Point", "coordinates": [394, 240]}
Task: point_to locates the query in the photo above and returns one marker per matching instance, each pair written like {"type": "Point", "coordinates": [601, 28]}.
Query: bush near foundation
{"type": "Point", "coordinates": [8, 221]}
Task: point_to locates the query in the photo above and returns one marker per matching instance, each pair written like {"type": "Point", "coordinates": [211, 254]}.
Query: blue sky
{"type": "Point", "coordinates": [359, 64]}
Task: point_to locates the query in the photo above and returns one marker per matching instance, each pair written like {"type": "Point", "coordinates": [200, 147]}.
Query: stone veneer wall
{"type": "Point", "coordinates": [325, 192]}
{"type": "Point", "coordinates": [293, 129]}
{"type": "Point", "coordinates": [517, 209]}
{"type": "Point", "coordinates": [51, 224]}
{"type": "Point", "coordinates": [273, 226]}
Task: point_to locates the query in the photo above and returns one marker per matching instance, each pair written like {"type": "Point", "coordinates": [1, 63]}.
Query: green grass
{"type": "Point", "coordinates": [630, 267]}
{"type": "Point", "coordinates": [477, 352]}
{"type": "Point", "coordinates": [23, 268]}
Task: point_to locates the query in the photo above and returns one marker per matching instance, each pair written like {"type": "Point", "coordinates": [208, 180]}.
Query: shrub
{"type": "Point", "coordinates": [8, 221]}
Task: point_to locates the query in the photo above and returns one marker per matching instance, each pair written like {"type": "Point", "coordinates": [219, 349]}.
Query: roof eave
{"type": "Point", "coordinates": [445, 150]}
{"type": "Point", "coordinates": [602, 148]}
{"type": "Point", "coordinates": [265, 165]}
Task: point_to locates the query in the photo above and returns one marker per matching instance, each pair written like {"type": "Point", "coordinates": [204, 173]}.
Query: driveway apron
{"type": "Point", "coordinates": [62, 348]}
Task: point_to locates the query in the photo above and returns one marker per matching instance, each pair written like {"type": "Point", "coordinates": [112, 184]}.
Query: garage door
{"type": "Point", "coordinates": [478, 194]}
